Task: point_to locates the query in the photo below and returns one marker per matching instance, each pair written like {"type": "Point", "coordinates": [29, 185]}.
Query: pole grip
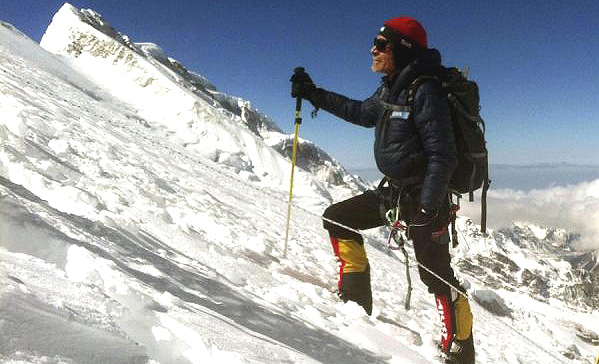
{"type": "Point", "coordinates": [298, 100]}
{"type": "Point", "coordinates": [298, 110]}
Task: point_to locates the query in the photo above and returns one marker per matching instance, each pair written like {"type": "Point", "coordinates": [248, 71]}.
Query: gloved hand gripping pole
{"type": "Point", "coordinates": [298, 121]}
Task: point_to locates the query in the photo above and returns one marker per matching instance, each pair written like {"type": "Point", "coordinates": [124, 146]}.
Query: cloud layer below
{"type": "Point", "coordinates": [573, 207]}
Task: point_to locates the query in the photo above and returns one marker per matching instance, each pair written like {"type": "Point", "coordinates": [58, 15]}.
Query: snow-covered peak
{"type": "Point", "coordinates": [70, 20]}
{"type": "Point", "coordinates": [161, 91]}
{"type": "Point", "coordinates": [74, 32]}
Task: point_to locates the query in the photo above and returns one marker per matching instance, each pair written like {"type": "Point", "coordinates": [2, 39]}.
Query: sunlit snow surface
{"type": "Point", "coordinates": [125, 239]}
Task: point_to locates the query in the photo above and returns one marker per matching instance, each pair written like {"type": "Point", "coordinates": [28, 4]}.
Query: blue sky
{"type": "Point", "coordinates": [536, 62]}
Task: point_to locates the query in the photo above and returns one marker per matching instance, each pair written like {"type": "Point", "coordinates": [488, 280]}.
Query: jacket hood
{"type": "Point", "coordinates": [429, 63]}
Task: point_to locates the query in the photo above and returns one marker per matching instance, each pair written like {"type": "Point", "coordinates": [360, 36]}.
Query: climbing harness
{"type": "Point", "coordinates": [397, 235]}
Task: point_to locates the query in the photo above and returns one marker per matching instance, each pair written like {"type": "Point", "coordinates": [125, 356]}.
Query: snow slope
{"type": "Point", "coordinates": [126, 237]}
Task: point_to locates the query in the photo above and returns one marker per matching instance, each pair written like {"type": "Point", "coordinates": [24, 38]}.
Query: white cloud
{"type": "Point", "coordinates": [573, 207]}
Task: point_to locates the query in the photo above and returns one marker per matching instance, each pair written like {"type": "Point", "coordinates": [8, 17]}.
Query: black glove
{"type": "Point", "coordinates": [302, 85]}
{"type": "Point", "coordinates": [420, 228]}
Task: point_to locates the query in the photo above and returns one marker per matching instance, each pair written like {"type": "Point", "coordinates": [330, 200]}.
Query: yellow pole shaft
{"type": "Point", "coordinates": [293, 161]}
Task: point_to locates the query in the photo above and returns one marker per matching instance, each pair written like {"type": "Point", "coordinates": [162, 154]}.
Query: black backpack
{"type": "Point", "coordinates": [472, 170]}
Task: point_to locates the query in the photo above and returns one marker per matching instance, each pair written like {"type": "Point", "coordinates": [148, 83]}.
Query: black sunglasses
{"type": "Point", "coordinates": [380, 44]}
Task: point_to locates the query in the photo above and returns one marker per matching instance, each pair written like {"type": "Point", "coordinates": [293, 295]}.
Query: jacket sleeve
{"type": "Point", "coordinates": [432, 119]}
{"type": "Point", "coordinates": [364, 113]}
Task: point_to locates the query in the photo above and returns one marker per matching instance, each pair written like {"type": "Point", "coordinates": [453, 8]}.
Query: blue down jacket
{"type": "Point", "coordinates": [408, 142]}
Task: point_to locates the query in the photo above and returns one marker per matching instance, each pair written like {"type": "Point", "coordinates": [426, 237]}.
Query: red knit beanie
{"type": "Point", "coordinates": [407, 27]}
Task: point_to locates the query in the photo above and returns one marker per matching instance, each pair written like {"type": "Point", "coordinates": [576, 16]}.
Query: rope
{"type": "Point", "coordinates": [220, 172]}
{"type": "Point", "coordinates": [195, 160]}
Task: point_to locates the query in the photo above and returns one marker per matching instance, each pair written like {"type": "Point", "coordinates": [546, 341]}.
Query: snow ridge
{"type": "Point", "coordinates": [161, 85]}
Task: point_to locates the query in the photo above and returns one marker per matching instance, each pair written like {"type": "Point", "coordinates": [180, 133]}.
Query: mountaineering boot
{"type": "Point", "coordinates": [456, 328]}
{"type": "Point", "coordinates": [461, 352]}
{"type": "Point", "coordinates": [354, 272]}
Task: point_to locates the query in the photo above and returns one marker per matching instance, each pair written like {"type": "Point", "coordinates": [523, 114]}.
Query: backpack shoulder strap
{"type": "Point", "coordinates": [418, 81]}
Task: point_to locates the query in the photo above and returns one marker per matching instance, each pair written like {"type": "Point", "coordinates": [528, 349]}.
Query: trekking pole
{"type": "Point", "coordinates": [298, 121]}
